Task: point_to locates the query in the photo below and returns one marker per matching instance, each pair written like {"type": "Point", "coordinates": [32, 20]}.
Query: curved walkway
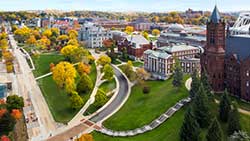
{"type": "Point", "coordinates": [154, 124]}
{"type": "Point", "coordinates": [118, 101]}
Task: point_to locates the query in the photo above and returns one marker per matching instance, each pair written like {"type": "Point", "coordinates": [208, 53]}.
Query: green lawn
{"type": "Point", "coordinates": [168, 131]}
{"type": "Point", "coordinates": [56, 98]}
{"type": "Point", "coordinates": [141, 109]}
{"type": "Point", "coordinates": [137, 64]}
{"type": "Point", "coordinates": [42, 63]}
{"type": "Point", "coordinates": [108, 85]}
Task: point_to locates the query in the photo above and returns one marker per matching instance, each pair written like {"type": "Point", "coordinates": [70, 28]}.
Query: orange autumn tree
{"type": "Point", "coordinates": [2, 112]}
{"type": "Point", "coordinates": [83, 69]}
{"type": "Point", "coordinates": [17, 114]}
{"type": "Point", "coordinates": [86, 137]}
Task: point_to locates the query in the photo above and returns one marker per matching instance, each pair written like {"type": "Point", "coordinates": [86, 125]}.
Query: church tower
{"type": "Point", "coordinates": [212, 61]}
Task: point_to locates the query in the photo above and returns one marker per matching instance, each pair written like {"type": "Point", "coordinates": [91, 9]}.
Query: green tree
{"type": "Point", "coordinates": [76, 101]}
{"type": "Point", "coordinates": [233, 121]}
{"type": "Point", "coordinates": [7, 123]}
{"type": "Point", "coordinates": [100, 98]}
{"type": "Point", "coordinates": [206, 84]}
{"type": "Point", "coordinates": [214, 131]}
{"type": "Point", "coordinates": [128, 70]}
{"type": "Point", "coordinates": [201, 108]}
{"type": "Point", "coordinates": [85, 84]}
{"type": "Point", "coordinates": [190, 129]}
{"type": "Point", "coordinates": [108, 72]}
{"type": "Point", "coordinates": [14, 102]}
{"type": "Point", "coordinates": [194, 85]}
{"type": "Point", "coordinates": [178, 74]}
{"type": "Point", "coordinates": [225, 107]}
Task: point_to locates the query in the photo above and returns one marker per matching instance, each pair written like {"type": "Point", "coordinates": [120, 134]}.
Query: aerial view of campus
{"type": "Point", "coordinates": [125, 70]}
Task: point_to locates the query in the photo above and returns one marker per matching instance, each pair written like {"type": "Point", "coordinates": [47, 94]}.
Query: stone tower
{"type": "Point", "coordinates": [212, 61]}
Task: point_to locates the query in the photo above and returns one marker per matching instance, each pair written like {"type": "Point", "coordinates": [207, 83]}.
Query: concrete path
{"type": "Point", "coordinates": [30, 89]}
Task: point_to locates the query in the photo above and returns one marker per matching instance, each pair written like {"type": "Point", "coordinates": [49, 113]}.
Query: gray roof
{"type": "Point", "coordinates": [239, 45]}
{"type": "Point", "coordinates": [177, 47]}
{"type": "Point", "coordinates": [215, 17]}
{"type": "Point", "coordinates": [157, 54]}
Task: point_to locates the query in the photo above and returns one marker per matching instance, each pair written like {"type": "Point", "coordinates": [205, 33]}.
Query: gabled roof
{"type": "Point", "coordinates": [215, 17]}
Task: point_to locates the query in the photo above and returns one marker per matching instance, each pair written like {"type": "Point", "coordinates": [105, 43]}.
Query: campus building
{"type": "Point", "coordinates": [159, 62]}
{"type": "Point", "coordinates": [226, 58]}
{"type": "Point", "coordinates": [134, 45]}
{"type": "Point", "coordinates": [93, 35]}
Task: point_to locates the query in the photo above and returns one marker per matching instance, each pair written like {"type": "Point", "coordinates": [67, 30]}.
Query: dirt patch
{"type": "Point", "coordinates": [20, 131]}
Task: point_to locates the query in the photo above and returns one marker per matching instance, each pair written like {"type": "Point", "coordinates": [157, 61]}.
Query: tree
{"type": "Point", "coordinates": [76, 101]}
{"type": "Point", "coordinates": [22, 34]}
{"type": "Point", "coordinates": [100, 98]}
{"type": "Point", "coordinates": [14, 102]}
{"type": "Point", "coordinates": [16, 113]}
{"type": "Point", "coordinates": [55, 32]}
{"type": "Point", "coordinates": [108, 72]}
{"type": "Point", "coordinates": [43, 43]}
{"type": "Point", "coordinates": [68, 50]}
{"type": "Point", "coordinates": [85, 84]}
{"type": "Point", "coordinates": [73, 42]}
{"type": "Point", "coordinates": [194, 85]}
{"type": "Point", "coordinates": [83, 68]}
{"type": "Point", "coordinates": [145, 35]}
{"type": "Point", "coordinates": [190, 129]}
{"type": "Point", "coordinates": [2, 111]}
{"type": "Point", "coordinates": [206, 84]}
{"type": "Point", "coordinates": [156, 19]}
{"type": "Point", "coordinates": [233, 121]}
{"type": "Point", "coordinates": [128, 70]}
{"type": "Point", "coordinates": [129, 29]}
{"type": "Point", "coordinates": [73, 34]}
{"type": "Point", "coordinates": [3, 44]}
{"type": "Point", "coordinates": [62, 38]}
{"type": "Point", "coordinates": [141, 75]}
{"type": "Point", "coordinates": [156, 32]}
{"type": "Point", "coordinates": [201, 108]}
{"type": "Point", "coordinates": [178, 75]}
{"type": "Point", "coordinates": [225, 107]}
{"type": "Point", "coordinates": [86, 137]}
{"type": "Point", "coordinates": [31, 40]}
{"type": "Point", "coordinates": [47, 33]}
{"type": "Point", "coordinates": [103, 60]}
{"type": "Point", "coordinates": [63, 74]}
{"type": "Point", "coordinates": [214, 131]}
{"type": "Point", "coordinates": [51, 67]}
{"type": "Point", "coordinates": [7, 123]}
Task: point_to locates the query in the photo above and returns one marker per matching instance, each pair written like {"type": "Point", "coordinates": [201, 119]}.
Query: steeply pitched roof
{"type": "Point", "coordinates": [215, 17]}
{"type": "Point", "coordinates": [239, 45]}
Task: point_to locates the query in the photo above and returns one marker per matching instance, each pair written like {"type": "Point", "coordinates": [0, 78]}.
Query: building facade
{"type": "Point", "coordinates": [134, 45]}
{"type": "Point", "coordinates": [159, 62]}
{"type": "Point", "coordinates": [226, 59]}
{"type": "Point", "coordinates": [93, 35]}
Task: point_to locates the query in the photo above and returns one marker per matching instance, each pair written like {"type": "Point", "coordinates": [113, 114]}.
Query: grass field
{"type": "Point", "coordinates": [141, 109]}
{"type": "Point", "coordinates": [56, 98]}
{"type": "Point", "coordinates": [42, 63]}
{"type": "Point", "coordinates": [137, 64]}
{"type": "Point", "coordinates": [108, 85]}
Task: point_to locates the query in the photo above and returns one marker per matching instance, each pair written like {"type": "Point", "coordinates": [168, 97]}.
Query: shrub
{"type": "Point", "coordinates": [146, 89]}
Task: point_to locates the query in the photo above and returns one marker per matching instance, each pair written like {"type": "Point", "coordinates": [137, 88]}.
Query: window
{"type": "Point", "coordinates": [247, 84]}
{"type": "Point", "coordinates": [212, 40]}
{"type": "Point", "coordinates": [247, 73]}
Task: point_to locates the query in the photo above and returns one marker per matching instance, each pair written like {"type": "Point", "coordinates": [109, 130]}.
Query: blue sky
{"type": "Point", "coordinates": [125, 5]}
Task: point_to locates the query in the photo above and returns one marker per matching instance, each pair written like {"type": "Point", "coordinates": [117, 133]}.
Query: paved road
{"type": "Point", "coordinates": [122, 94]}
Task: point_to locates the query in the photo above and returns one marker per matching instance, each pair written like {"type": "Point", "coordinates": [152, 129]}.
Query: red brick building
{"type": "Point", "coordinates": [226, 59]}
{"type": "Point", "coordinates": [135, 45]}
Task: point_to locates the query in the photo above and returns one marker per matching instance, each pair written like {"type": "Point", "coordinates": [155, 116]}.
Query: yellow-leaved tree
{"type": "Point", "coordinates": [129, 29]}
{"type": "Point", "coordinates": [73, 34]}
{"type": "Point", "coordinates": [47, 33]}
{"type": "Point", "coordinates": [64, 75]}
{"type": "Point", "coordinates": [31, 40]}
{"type": "Point", "coordinates": [68, 50]}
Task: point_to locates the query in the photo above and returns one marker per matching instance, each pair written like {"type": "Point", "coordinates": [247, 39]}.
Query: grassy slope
{"type": "Point", "coordinates": [141, 109]}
